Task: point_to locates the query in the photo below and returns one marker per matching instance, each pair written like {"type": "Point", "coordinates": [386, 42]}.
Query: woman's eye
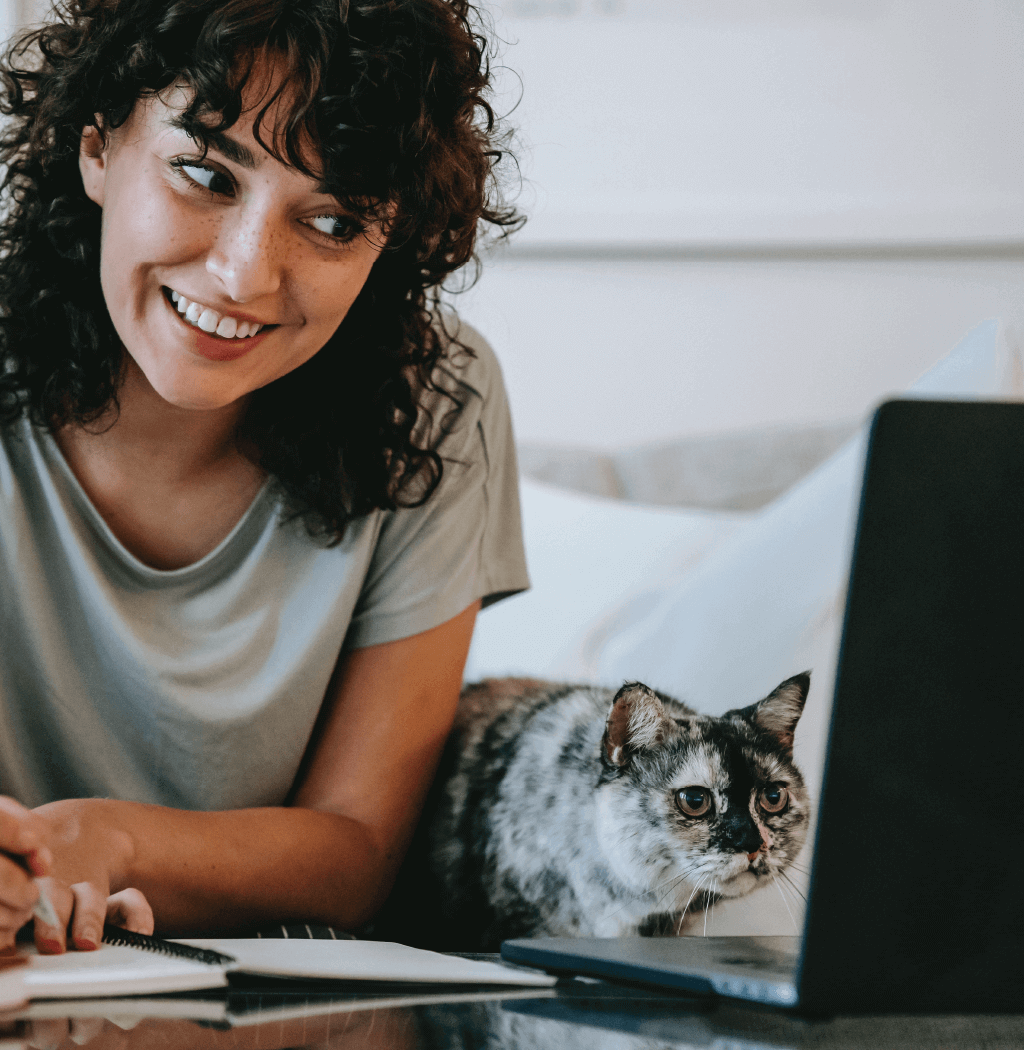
{"type": "Point", "coordinates": [693, 801]}
{"type": "Point", "coordinates": [774, 798]}
{"type": "Point", "coordinates": [205, 177]}
{"type": "Point", "coordinates": [337, 227]}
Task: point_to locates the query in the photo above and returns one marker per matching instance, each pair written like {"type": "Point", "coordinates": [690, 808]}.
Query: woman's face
{"type": "Point", "coordinates": [241, 235]}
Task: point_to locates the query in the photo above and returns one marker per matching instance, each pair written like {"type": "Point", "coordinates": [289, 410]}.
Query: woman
{"type": "Point", "coordinates": [253, 491]}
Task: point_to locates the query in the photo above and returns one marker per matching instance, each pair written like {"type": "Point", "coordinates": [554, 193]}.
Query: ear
{"type": "Point", "coordinates": [778, 713]}
{"type": "Point", "coordinates": [637, 721]}
{"type": "Point", "coordinates": [92, 162]}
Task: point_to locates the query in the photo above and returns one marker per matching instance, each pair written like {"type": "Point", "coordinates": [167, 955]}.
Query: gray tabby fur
{"type": "Point", "coordinates": [555, 813]}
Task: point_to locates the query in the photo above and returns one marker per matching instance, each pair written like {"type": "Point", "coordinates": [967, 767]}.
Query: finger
{"type": "Point", "coordinates": [12, 920]}
{"type": "Point", "coordinates": [47, 1034]}
{"type": "Point", "coordinates": [87, 918]}
{"type": "Point", "coordinates": [17, 890]}
{"type": "Point", "coordinates": [52, 940]}
{"type": "Point", "coordinates": [130, 910]}
{"type": "Point", "coordinates": [12, 1031]}
{"type": "Point", "coordinates": [85, 1029]}
{"type": "Point", "coordinates": [21, 830]}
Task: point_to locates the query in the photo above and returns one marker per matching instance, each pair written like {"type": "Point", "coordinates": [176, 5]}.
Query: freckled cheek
{"type": "Point", "coordinates": [340, 292]}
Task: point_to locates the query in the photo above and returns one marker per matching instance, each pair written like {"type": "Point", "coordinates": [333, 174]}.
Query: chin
{"type": "Point", "coordinates": [739, 885]}
{"type": "Point", "coordinates": [187, 388]}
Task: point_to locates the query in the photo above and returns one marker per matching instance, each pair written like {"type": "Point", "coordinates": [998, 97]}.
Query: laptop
{"type": "Point", "coordinates": [916, 897]}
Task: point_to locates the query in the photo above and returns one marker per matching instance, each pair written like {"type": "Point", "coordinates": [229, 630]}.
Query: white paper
{"type": "Point", "coordinates": [114, 970]}
{"type": "Point", "coordinates": [365, 961]}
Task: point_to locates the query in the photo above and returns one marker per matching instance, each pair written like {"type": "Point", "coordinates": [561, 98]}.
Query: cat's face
{"type": "Point", "coordinates": [693, 805]}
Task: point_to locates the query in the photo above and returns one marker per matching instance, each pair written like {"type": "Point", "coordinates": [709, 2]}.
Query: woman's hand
{"type": "Point", "coordinates": [23, 838]}
{"type": "Point", "coordinates": [88, 861]}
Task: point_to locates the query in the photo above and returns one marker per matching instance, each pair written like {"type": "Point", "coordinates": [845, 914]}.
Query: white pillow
{"type": "Point", "coordinates": [586, 555]}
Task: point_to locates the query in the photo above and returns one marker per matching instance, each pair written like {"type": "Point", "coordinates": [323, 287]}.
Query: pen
{"type": "Point", "coordinates": [43, 909]}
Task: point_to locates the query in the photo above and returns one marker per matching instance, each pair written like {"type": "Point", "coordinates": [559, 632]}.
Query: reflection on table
{"type": "Point", "coordinates": [576, 1015]}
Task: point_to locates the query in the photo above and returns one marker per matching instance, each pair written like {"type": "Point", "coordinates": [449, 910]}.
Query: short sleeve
{"type": "Point", "coordinates": [465, 543]}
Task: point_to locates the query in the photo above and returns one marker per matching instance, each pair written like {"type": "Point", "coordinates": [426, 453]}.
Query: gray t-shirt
{"type": "Point", "coordinates": [199, 687]}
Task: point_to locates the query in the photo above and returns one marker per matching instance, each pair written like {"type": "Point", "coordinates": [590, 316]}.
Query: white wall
{"type": "Point", "coordinates": [745, 213]}
{"type": "Point", "coordinates": [732, 121]}
{"type": "Point", "coordinates": [611, 352]}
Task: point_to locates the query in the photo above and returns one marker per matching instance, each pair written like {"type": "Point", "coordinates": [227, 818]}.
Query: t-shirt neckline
{"type": "Point", "coordinates": [53, 453]}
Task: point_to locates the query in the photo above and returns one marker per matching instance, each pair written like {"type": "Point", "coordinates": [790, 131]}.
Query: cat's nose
{"type": "Point", "coordinates": [743, 837]}
{"type": "Point", "coordinates": [753, 856]}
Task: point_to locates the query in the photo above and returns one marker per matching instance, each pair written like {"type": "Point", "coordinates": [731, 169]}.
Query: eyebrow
{"type": "Point", "coordinates": [233, 150]}
{"type": "Point", "coordinates": [238, 153]}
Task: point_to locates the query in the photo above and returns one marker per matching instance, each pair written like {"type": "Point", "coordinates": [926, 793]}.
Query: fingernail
{"type": "Point", "coordinates": [85, 944]}
{"type": "Point", "coordinates": [48, 947]}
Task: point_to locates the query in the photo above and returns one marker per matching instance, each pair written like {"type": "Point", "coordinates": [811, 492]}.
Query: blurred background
{"type": "Point", "coordinates": [748, 213]}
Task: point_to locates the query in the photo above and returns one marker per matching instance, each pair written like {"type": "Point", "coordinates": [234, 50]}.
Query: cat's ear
{"type": "Point", "coordinates": [778, 713]}
{"type": "Point", "coordinates": [637, 721]}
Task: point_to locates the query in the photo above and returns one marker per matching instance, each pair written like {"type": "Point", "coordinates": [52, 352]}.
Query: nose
{"type": "Point", "coordinates": [248, 253]}
{"type": "Point", "coordinates": [742, 836]}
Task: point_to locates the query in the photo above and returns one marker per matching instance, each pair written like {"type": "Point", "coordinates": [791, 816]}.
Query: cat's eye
{"type": "Point", "coordinates": [693, 801]}
{"type": "Point", "coordinates": [774, 798]}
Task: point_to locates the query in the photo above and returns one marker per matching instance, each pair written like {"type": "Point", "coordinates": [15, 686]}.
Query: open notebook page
{"type": "Point", "coordinates": [119, 970]}
{"type": "Point", "coordinates": [114, 970]}
{"type": "Point", "coordinates": [365, 961]}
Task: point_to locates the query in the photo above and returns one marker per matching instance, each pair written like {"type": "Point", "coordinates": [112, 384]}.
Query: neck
{"type": "Point", "coordinates": [145, 432]}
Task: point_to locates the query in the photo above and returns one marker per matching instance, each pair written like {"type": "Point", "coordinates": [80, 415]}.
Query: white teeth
{"type": "Point", "coordinates": [211, 321]}
{"type": "Point", "coordinates": [227, 327]}
{"type": "Point", "coordinates": [208, 320]}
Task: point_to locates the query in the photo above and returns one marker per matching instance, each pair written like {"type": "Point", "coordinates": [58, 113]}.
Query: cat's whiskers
{"type": "Point", "coordinates": [793, 886]}
{"type": "Point", "coordinates": [706, 913]}
{"type": "Point", "coordinates": [713, 901]}
{"type": "Point", "coordinates": [686, 907]}
{"type": "Point", "coordinates": [672, 883]}
{"type": "Point", "coordinates": [778, 886]}
{"type": "Point", "coordinates": [704, 874]}
{"type": "Point", "coordinates": [684, 913]}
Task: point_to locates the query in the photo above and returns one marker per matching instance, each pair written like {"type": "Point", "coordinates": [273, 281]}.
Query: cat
{"type": "Point", "coordinates": [563, 810]}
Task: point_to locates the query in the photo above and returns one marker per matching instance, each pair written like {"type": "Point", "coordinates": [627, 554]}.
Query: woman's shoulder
{"type": "Point", "coordinates": [467, 391]}
{"type": "Point", "coordinates": [468, 360]}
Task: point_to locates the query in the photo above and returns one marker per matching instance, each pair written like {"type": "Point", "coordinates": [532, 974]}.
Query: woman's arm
{"type": "Point", "coordinates": [331, 857]}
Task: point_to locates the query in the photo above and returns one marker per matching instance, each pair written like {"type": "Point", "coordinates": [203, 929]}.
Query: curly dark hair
{"type": "Point", "coordinates": [393, 96]}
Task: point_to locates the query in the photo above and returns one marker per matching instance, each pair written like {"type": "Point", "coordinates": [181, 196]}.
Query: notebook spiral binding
{"type": "Point", "coordinates": [115, 935]}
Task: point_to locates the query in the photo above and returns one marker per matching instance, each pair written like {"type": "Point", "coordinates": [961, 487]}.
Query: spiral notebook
{"type": "Point", "coordinates": [133, 964]}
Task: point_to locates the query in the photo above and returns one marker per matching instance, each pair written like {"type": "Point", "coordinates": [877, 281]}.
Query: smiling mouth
{"type": "Point", "coordinates": [236, 340]}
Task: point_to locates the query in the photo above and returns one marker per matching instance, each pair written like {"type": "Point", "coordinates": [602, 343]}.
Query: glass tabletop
{"type": "Point", "coordinates": [575, 1015]}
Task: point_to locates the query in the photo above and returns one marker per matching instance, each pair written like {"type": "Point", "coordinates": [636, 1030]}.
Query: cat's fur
{"type": "Point", "coordinates": [555, 813]}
